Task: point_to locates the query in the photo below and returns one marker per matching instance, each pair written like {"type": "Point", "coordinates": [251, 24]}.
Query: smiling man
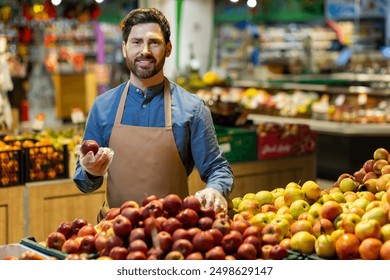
{"type": "Point", "coordinates": [157, 130]}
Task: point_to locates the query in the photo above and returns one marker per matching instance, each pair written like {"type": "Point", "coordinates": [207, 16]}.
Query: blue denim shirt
{"type": "Point", "coordinates": [192, 124]}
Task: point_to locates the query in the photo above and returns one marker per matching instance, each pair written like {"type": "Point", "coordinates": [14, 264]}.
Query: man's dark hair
{"type": "Point", "coordinates": [145, 15]}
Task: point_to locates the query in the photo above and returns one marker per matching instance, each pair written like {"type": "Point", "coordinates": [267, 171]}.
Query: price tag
{"type": "Point", "coordinates": [77, 115]}
{"type": "Point", "coordinates": [362, 99]}
{"type": "Point", "coordinates": [340, 99]}
{"type": "Point", "coordinates": [39, 122]}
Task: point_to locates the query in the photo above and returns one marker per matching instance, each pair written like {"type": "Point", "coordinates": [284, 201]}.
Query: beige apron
{"type": "Point", "coordinates": [146, 160]}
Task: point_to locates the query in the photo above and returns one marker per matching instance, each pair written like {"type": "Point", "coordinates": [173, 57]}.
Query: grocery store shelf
{"type": "Point", "coordinates": [337, 128]}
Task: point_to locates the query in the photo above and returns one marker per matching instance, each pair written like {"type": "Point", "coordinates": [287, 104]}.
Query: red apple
{"type": "Point", "coordinates": [222, 224]}
{"type": "Point", "coordinates": [87, 244]}
{"type": "Point", "coordinates": [138, 245]}
{"type": "Point", "coordinates": [231, 242]}
{"type": "Point", "coordinates": [112, 213]}
{"type": "Point", "coordinates": [181, 233]}
{"type": "Point", "coordinates": [246, 251]}
{"type": "Point", "coordinates": [322, 226]}
{"type": "Point", "coordinates": [215, 253]}
{"type": "Point", "coordinates": [155, 254]}
{"type": "Point", "coordinates": [100, 242]}
{"type": "Point", "coordinates": [172, 203]}
{"type": "Point", "coordinates": [89, 145]}
{"type": "Point", "coordinates": [122, 226]}
{"type": "Point", "coordinates": [273, 229]}
{"type": "Point", "coordinates": [153, 208]}
{"type": "Point", "coordinates": [138, 233]}
{"type": "Point", "coordinates": [207, 212]}
{"type": "Point", "coordinates": [130, 204]}
{"type": "Point", "coordinates": [380, 153]}
{"type": "Point", "coordinates": [193, 231]}
{"type": "Point", "coordinates": [113, 241]}
{"type": "Point", "coordinates": [118, 253]}
{"type": "Point", "coordinates": [278, 252]}
{"type": "Point", "coordinates": [70, 246]}
{"type": "Point", "coordinates": [195, 256]}
{"type": "Point", "coordinates": [385, 251]}
{"type": "Point", "coordinates": [77, 224]}
{"type": "Point", "coordinates": [136, 255]}
{"type": "Point", "coordinates": [191, 202]}
{"type": "Point", "coordinates": [184, 246]}
{"type": "Point", "coordinates": [205, 223]}
{"type": "Point", "coordinates": [239, 225]}
{"type": "Point", "coordinates": [331, 209]}
{"type": "Point", "coordinates": [148, 199]}
{"type": "Point", "coordinates": [171, 225]}
{"type": "Point", "coordinates": [151, 226]}
{"type": "Point", "coordinates": [203, 241]}
{"type": "Point", "coordinates": [252, 230]}
{"type": "Point", "coordinates": [165, 241]}
{"type": "Point", "coordinates": [133, 214]}
{"type": "Point", "coordinates": [253, 240]}
{"type": "Point", "coordinates": [367, 166]}
{"type": "Point", "coordinates": [55, 240]}
{"type": "Point", "coordinates": [88, 229]}
{"type": "Point", "coordinates": [217, 236]}
{"type": "Point", "coordinates": [188, 217]}
{"type": "Point", "coordinates": [301, 225]}
{"type": "Point", "coordinates": [66, 229]}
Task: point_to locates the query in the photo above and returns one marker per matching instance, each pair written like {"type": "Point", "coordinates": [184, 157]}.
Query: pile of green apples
{"type": "Point", "coordinates": [347, 220]}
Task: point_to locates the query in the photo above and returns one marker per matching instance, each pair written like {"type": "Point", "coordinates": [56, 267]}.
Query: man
{"type": "Point", "coordinates": [157, 130]}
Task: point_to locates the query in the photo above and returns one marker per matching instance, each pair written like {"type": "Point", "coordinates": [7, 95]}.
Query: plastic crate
{"type": "Point", "coordinates": [45, 163]}
{"type": "Point", "coordinates": [17, 250]}
{"type": "Point", "coordinates": [238, 144]}
{"type": "Point", "coordinates": [11, 169]}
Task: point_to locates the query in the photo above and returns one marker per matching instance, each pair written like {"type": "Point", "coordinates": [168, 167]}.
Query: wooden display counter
{"type": "Point", "coordinates": [253, 176]}
{"type": "Point", "coordinates": [50, 203]}
{"type": "Point", "coordinates": [11, 214]}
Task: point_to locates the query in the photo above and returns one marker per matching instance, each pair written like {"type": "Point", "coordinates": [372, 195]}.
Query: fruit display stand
{"type": "Point", "coordinates": [11, 214]}
{"type": "Point", "coordinates": [49, 203]}
{"type": "Point", "coordinates": [267, 174]}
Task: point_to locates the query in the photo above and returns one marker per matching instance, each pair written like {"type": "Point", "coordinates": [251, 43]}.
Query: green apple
{"type": "Point", "coordinates": [277, 192]}
{"type": "Point", "coordinates": [292, 194]}
{"type": "Point", "coordinates": [325, 247]}
{"type": "Point", "coordinates": [368, 228]}
{"type": "Point", "coordinates": [337, 221]}
{"type": "Point", "coordinates": [379, 195]}
{"type": "Point", "coordinates": [349, 222]}
{"type": "Point", "coordinates": [303, 242]}
{"type": "Point", "coordinates": [311, 190]}
{"type": "Point", "coordinates": [299, 206]}
{"type": "Point", "coordinates": [378, 213]}
{"type": "Point", "coordinates": [249, 195]}
{"type": "Point", "coordinates": [348, 184]}
{"type": "Point", "coordinates": [360, 202]}
{"type": "Point", "coordinates": [236, 202]}
{"type": "Point", "coordinates": [264, 197]}
{"type": "Point", "coordinates": [293, 185]}
{"type": "Point", "coordinates": [338, 197]}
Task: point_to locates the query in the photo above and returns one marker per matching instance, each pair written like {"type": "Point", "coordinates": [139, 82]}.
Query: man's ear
{"type": "Point", "coordinates": [169, 49]}
{"type": "Point", "coordinates": [124, 53]}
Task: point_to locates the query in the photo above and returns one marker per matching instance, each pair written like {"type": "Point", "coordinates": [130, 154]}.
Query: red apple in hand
{"type": "Point", "coordinates": [89, 145]}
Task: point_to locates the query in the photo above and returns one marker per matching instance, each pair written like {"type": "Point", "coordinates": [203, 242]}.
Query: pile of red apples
{"type": "Point", "coordinates": [168, 228]}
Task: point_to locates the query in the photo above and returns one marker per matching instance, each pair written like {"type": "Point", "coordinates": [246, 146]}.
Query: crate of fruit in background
{"type": "Point", "coordinates": [27, 160]}
{"type": "Point", "coordinates": [238, 144]}
{"type": "Point", "coordinates": [276, 140]}
{"type": "Point", "coordinates": [11, 170]}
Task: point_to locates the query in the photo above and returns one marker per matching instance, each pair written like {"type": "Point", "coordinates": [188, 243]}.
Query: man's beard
{"type": "Point", "coordinates": [142, 72]}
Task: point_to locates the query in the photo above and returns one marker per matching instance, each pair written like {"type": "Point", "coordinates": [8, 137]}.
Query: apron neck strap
{"type": "Point", "coordinates": [167, 104]}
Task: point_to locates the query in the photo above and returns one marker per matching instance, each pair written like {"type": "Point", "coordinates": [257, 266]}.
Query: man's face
{"type": "Point", "coordinates": [145, 50]}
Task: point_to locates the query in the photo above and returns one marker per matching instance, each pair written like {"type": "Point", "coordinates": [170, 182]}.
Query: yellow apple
{"type": "Point", "coordinates": [301, 225]}
{"type": "Point", "coordinates": [283, 209]}
{"type": "Point", "coordinates": [277, 192]}
{"type": "Point", "coordinates": [279, 201]}
{"type": "Point", "coordinates": [284, 224]}
{"type": "Point", "coordinates": [293, 185]}
{"type": "Point", "coordinates": [325, 246]}
{"type": "Point", "coordinates": [379, 195]}
{"type": "Point", "coordinates": [348, 184]}
{"type": "Point", "coordinates": [357, 210]}
{"type": "Point", "coordinates": [315, 210]}
{"type": "Point", "coordinates": [373, 204]}
{"type": "Point", "coordinates": [299, 206]}
{"type": "Point", "coordinates": [360, 202]}
{"type": "Point", "coordinates": [249, 195]}
{"type": "Point", "coordinates": [337, 233]}
{"type": "Point", "coordinates": [378, 213]}
{"type": "Point", "coordinates": [350, 196]}
{"type": "Point", "coordinates": [311, 190]}
{"type": "Point", "coordinates": [264, 197]}
{"type": "Point", "coordinates": [381, 182]}
{"type": "Point", "coordinates": [385, 232]}
{"type": "Point", "coordinates": [292, 194]}
{"type": "Point", "coordinates": [250, 205]}
{"type": "Point", "coordinates": [368, 228]}
{"type": "Point", "coordinates": [349, 221]}
{"type": "Point", "coordinates": [370, 196]}
{"type": "Point", "coordinates": [303, 242]}
{"type": "Point", "coordinates": [338, 197]}
{"type": "Point", "coordinates": [262, 219]}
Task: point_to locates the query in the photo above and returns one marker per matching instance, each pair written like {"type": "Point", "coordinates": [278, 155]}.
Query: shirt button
{"type": "Point", "coordinates": [137, 90]}
{"type": "Point", "coordinates": [144, 106]}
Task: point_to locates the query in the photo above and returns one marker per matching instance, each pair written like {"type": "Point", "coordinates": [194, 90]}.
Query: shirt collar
{"type": "Point", "coordinates": [150, 92]}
